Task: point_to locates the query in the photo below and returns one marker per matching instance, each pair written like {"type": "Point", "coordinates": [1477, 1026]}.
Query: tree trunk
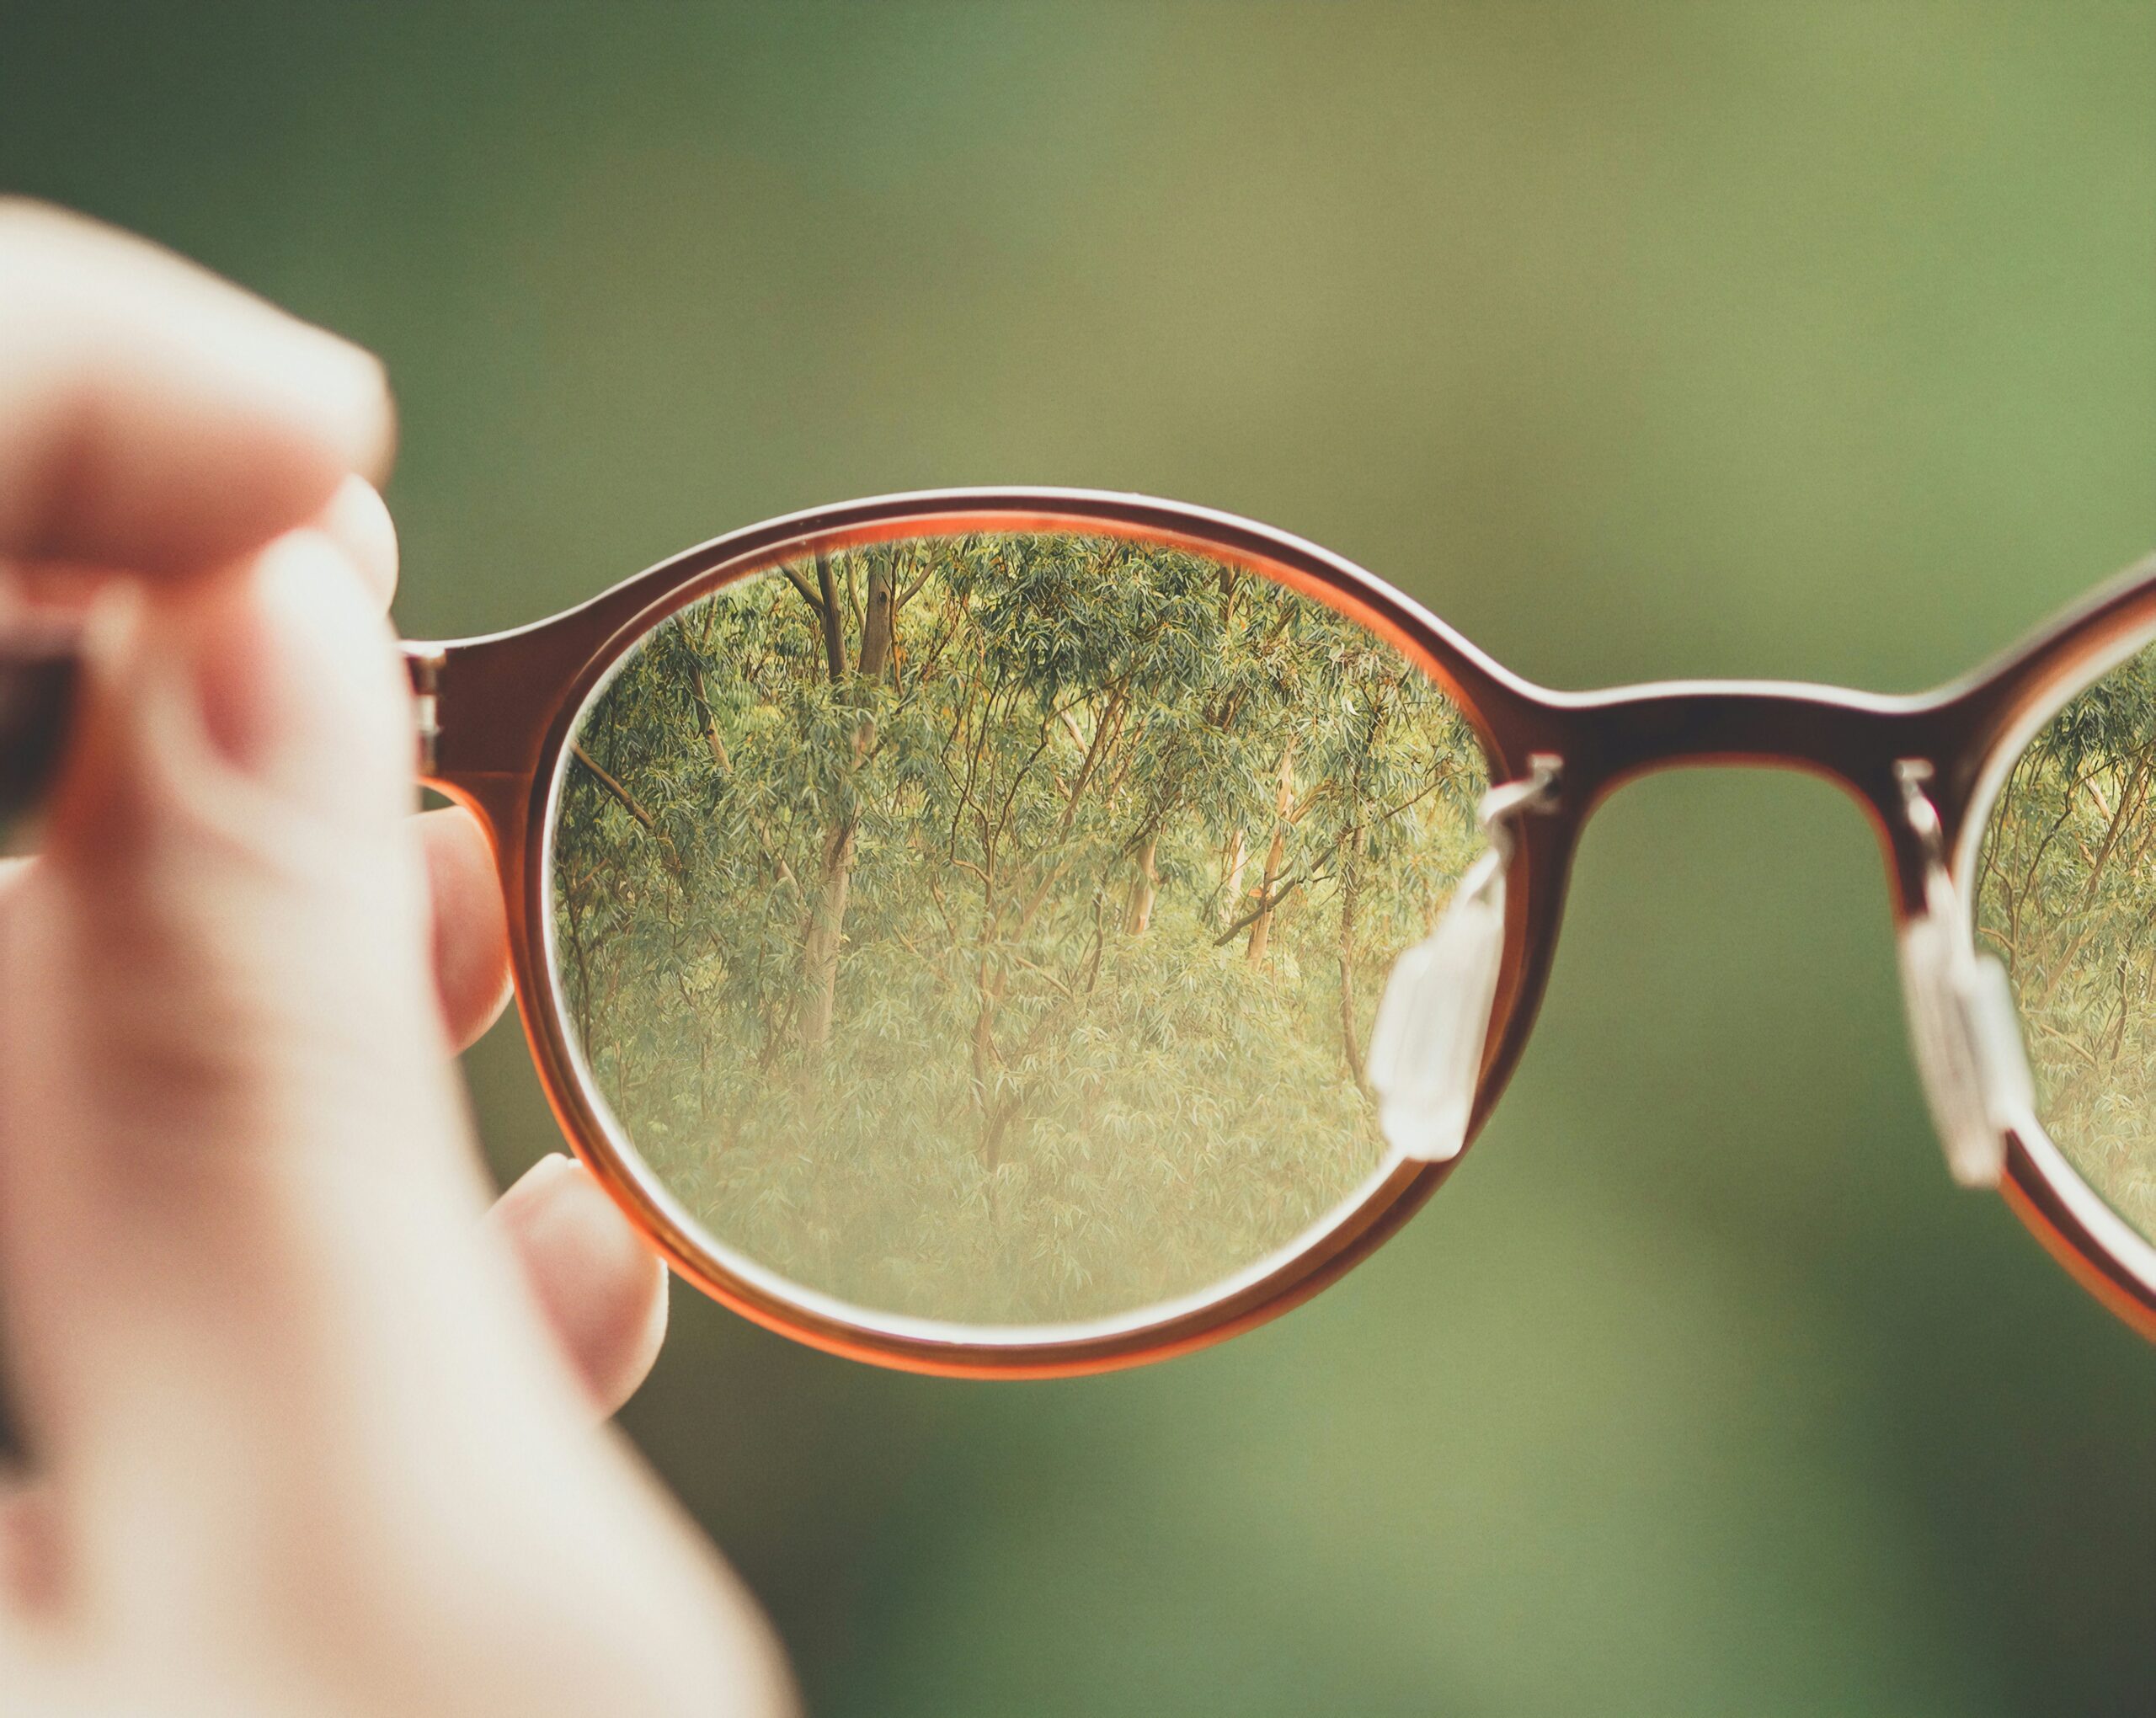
{"type": "Point", "coordinates": [712, 742]}
{"type": "Point", "coordinates": [834, 623]}
{"type": "Point", "coordinates": [1143, 884]}
{"type": "Point", "coordinates": [1350, 895]}
{"type": "Point", "coordinates": [877, 625]}
{"type": "Point", "coordinates": [1260, 928]}
{"type": "Point", "coordinates": [826, 930]}
{"type": "Point", "coordinates": [1005, 1112]}
{"type": "Point", "coordinates": [1231, 885]}
{"type": "Point", "coordinates": [570, 898]}
{"type": "Point", "coordinates": [2131, 796]}
{"type": "Point", "coordinates": [994, 1114]}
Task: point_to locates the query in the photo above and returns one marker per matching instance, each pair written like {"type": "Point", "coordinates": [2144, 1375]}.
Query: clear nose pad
{"type": "Point", "coordinates": [1426, 1046]}
{"type": "Point", "coordinates": [1963, 1024]}
{"type": "Point", "coordinates": [1425, 1061]}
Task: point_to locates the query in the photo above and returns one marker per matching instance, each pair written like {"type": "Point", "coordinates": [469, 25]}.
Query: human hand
{"type": "Point", "coordinates": [304, 1433]}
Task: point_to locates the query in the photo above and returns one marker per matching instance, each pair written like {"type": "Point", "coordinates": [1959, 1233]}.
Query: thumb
{"type": "Point", "coordinates": [236, 1187]}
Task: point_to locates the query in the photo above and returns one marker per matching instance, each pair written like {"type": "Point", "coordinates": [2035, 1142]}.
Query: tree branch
{"type": "Point", "coordinates": [627, 801]}
{"type": "Point", "coordinates": [801, 585]}
{"type": "Point", "coordinates": [1264, 906]}
{"type": "Point", "coordinates": [621, 795]}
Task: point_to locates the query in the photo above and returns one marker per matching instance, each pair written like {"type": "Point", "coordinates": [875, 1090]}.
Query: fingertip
{"type": "Point", "coordinates": [155, 417]}
{"type": "Point", "coordinates": [373, 418]}
{"type": "Point", "coordinates": [602, 1292]}
{"type": "Point", "coordinates": [471, 922]}
{"type": "Point", "coordinates": [298, 678]}
{"type": "Point", "coordinates": [265, 703]}
{"type": "Point", "coordinates": [357, 520]}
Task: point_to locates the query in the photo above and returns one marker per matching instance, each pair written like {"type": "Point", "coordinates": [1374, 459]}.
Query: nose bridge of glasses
{"type": "Point", "coordinates": [1907, 761]}
{"type": "Point", "coordinates": [1853, 740]}
{"type": "Point", "coordinates": [1847, 735]}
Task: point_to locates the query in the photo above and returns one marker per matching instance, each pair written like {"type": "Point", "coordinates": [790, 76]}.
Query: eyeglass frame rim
{"type": "Point", "coordinates": [505, 706]}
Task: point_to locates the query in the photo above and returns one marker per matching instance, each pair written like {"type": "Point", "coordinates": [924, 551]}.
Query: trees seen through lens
{"type": "Point", "coordinates": [989, 928]}
{"type": "Point", "coordinates": [2066, 895]}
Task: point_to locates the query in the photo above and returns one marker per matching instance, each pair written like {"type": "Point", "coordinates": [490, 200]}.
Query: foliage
{"type": "Point", "coordinates": [2067, 895]}
{"type": "Point", "coordinates": [988, 928]}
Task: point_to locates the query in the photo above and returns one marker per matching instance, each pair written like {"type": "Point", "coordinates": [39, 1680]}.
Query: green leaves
{"type": "Point", "coordinates": [1018, 972]}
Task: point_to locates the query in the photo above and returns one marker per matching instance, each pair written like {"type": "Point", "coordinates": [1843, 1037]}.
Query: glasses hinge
{"type": "Point", "coordinates": [425, 665]}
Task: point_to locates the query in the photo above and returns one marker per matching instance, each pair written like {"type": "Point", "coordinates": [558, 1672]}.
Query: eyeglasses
{"type": "Point", "coordinates": [1024, 932]}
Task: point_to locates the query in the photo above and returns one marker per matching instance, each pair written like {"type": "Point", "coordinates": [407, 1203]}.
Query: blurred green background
{"type": "Point", "coordinates": [1640, 340]}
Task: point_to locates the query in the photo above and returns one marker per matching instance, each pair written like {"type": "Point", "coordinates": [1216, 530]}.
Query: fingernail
{"type": "Point", "coordinates": [537, 1183]}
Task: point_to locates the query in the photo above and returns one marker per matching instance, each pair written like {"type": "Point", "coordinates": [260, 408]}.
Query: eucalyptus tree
{"type": "Point", "coordinates": [1002, 915]}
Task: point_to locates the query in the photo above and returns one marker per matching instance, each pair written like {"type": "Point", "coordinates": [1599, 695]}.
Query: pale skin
{"type": "Point", "coordinates": [308, 1429]}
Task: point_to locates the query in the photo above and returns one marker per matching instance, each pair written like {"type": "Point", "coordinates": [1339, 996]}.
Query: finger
{"type": "Point", "coordinates": [356, 520]}
{"type": "Point", "coordinates": [354, 517]}
{"type": "Point", "coordinates": [42, 605]}
{"type": "Point", "coordinates": [601, 1290]}
{"type": "Point", "coordinates": [238, 1195]}
{"type": "Point", "coordinates": [155, 417]}
{"type": "Point", "coordinates": [30, 1574]}
{"type": "Point", "coordinates": [257, 1341]}
{"type": "Point", "coordinates": [471, 922]}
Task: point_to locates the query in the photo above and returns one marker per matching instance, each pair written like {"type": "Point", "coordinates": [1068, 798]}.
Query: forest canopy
{"type": "Point", "coordinates": [2066, 896]}
{"type": "Point", "coordinates": [987, 928]}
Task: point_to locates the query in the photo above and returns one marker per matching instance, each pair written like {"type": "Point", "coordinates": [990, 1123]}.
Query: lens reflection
{"type": "Point", "coordinates": [987, 928]}
{"type": "Point", "coordinates": [2066, 895]}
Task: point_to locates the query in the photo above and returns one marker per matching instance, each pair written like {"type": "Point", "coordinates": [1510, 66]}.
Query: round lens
{"type": "Point", "coordinates": [987, 928]}
{"type": "Point", "coordinates": [2066, 896]}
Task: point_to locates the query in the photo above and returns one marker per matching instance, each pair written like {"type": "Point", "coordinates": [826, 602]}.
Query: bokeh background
{"type": "Point", "coordinates": [1640, 340]}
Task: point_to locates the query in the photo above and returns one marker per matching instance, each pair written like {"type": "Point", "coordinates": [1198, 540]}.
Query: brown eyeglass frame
{"type": "Point", "coordinates": [497, 712]}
